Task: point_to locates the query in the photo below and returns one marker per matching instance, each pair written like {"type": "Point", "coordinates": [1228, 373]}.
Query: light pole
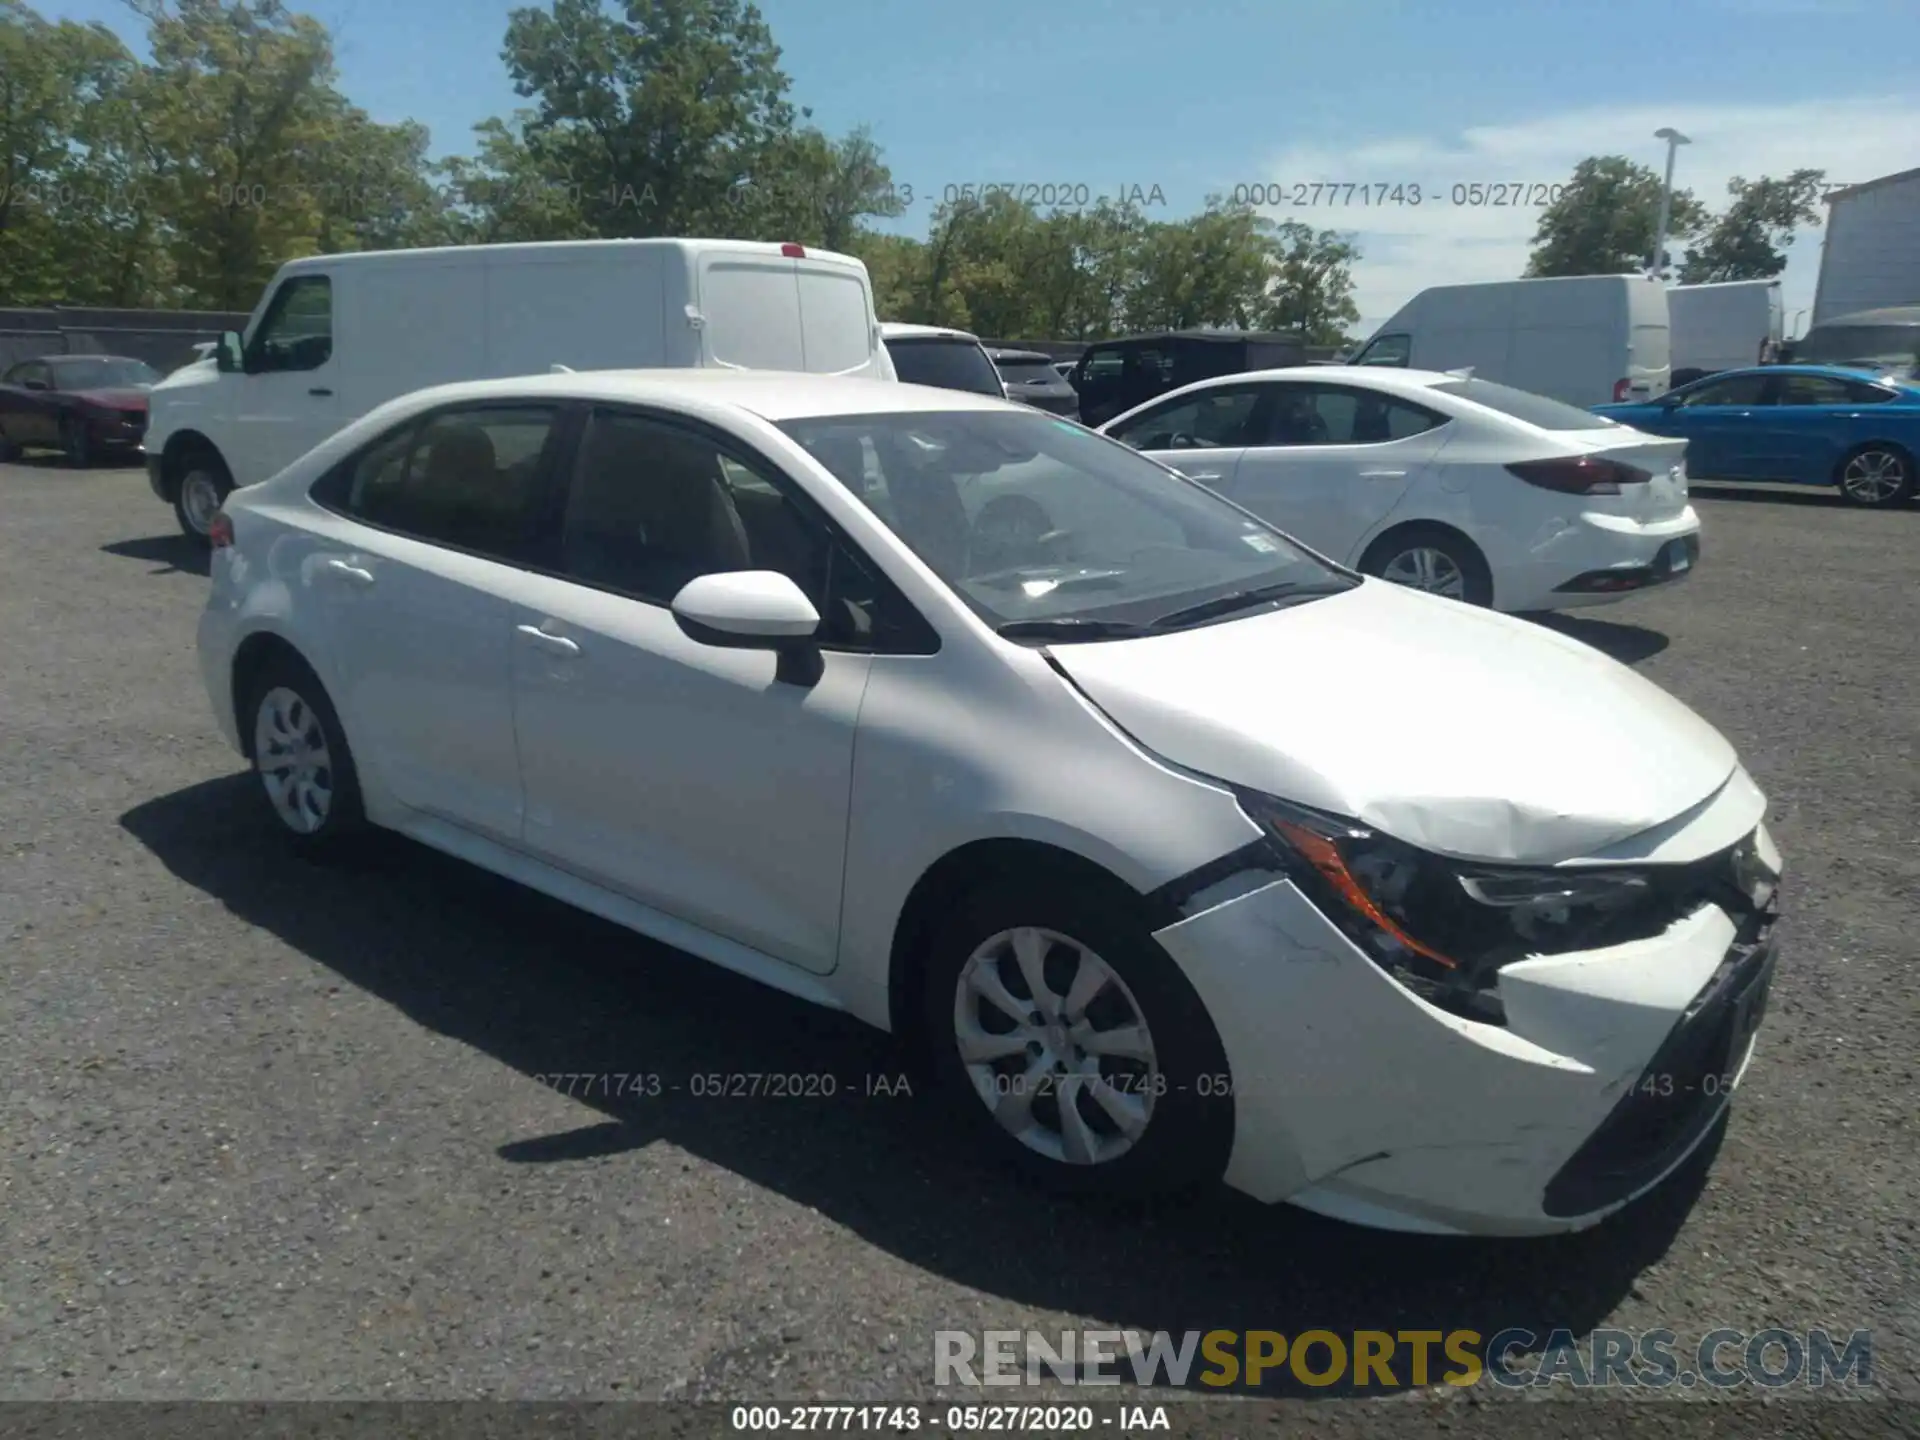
{"type": "Point", "coordinates": [1674, 141]}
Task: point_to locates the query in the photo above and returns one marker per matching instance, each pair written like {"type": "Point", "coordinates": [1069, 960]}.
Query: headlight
{"type": "Point", "coordinates": [1444, 928]}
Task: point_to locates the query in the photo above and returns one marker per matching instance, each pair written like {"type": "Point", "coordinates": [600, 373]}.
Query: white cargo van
{"type": "Point", "coordinates": [334, 336]}
{"type": "Point", "coordinates": [1582, 339]}
{"type": "Point", "coordinates": [1723, 326]}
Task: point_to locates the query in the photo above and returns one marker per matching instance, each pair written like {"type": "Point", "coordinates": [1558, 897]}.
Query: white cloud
{"type": "Point", "coordinates": [1405, 249]}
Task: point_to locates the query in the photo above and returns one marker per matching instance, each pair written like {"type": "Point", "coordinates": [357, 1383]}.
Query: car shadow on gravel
{"type": "Point", "coordinates": [553, 992]}
{"type": "Point", "coordinates": [1629, 644]}
{"type": "Point", "coordinates": [170, 554]}
{"type": "Point", "coordinates": [1819, 497]}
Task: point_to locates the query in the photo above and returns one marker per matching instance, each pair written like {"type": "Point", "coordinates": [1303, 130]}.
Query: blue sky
{"type": "Point", "coordinates": [1203, 95]}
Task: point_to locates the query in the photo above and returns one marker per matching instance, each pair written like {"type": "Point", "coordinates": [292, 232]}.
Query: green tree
{"type": "Point", "coordinates": [805, 187]}
{"type": "Point", "coordinates": [1311, 291]}
{"type": "Point", "coordinates": [1749, 238]}
{"type": "Point", "coordinates": [654, 118]}
{"type": "Point", "coordinates": [1604, 221]}
{"type": "Point", "coordinates": [1210, 269]}
{"type": "Point", "coordinates": [65, 206]}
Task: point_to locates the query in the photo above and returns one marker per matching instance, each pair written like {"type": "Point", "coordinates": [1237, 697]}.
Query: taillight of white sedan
{"type": "Point", "coordinates": [1107, 810]}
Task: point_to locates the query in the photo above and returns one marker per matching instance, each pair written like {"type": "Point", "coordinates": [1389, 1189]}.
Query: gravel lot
{"type": "Point", "coordinates": [274, 1131]}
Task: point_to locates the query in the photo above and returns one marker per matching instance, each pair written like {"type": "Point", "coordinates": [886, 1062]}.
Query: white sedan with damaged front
{"type": "Point", "coordinates": [1125, 821]}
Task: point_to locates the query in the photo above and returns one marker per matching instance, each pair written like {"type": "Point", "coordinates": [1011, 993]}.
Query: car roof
{"type": "Point", "coordinates": [1837, 372]}
{"type": "Point", "coordinates": [901, 330]}
{"type": "Point", "coordinates": [62, 359]}
{"type": "Point", "coordinates": [1392, 379]}
{"type": "Point", "coordinates": [550, 248]}
{"type": "Point", "coordinates": [773, 395]}
{"type": "Point", "coordinates": [1218, 337]}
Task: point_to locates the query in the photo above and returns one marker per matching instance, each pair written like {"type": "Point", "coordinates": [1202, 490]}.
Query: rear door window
{"type": "Point", "coordinates": [752, 313]}
{"type": "Point", "coordinates": [470, 479]}
{"type": "Point", "coordinates": [835, 318]}
{"type": "Point", "coordinates": [1734, 390]}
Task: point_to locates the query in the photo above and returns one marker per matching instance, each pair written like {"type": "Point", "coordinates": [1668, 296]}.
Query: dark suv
{"type": "Point", "coordinates": [1116, 375]}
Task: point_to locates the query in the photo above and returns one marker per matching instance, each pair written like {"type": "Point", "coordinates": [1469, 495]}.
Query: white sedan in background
{"type": "Point", "coordinates": [1117, 822]}
{"type": "Point", "coordinates": [1458, 486]}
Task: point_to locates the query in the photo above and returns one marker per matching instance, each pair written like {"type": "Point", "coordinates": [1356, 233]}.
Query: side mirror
{"type": "Point", "coordinates": [754, 610]}
{"type": "Point", "coordinates": [227, 355]}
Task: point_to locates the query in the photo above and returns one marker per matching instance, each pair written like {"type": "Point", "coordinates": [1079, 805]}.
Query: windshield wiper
{"type": "Point", "coordinates": [1246, 600]}
{"type": "Point", "coordinates": [1071, 627]}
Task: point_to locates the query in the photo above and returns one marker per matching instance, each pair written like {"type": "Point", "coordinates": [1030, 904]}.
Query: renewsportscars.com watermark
{"type": "Point", "coordinates": [1397, 1359]}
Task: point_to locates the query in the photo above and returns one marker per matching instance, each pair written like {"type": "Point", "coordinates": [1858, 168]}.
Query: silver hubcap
{"type": "Point", "coordinates": [1056, 1046]}
{"type": "Point", "coordinates": [1424, 568]}
{"type": "Point", "coordinates": [290, 750]}
{"type": "Point", "coordinates": [200, 499]}
{"type": "Point", "coordinates": [1874, 476]}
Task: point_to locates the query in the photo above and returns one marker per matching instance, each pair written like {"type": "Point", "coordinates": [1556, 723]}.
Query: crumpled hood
{"type": "Point", "coordinates": [1468, 733]}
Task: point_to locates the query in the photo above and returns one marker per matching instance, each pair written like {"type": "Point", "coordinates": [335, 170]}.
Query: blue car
{"type": "Point", "coordinates": [1807, 424]}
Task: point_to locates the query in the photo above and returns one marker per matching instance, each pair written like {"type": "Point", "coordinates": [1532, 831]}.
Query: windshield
{"type": "Point", "coordinates": [1032, 519]}
{"type": "Point", "coordinates": [1523, 406]}
{"type": "Point", "coordinates": [946, 365]}
{"type": "Point", "coordinates": [1894, 344]}
{"type": "Point", "coordinates": [102, 374]}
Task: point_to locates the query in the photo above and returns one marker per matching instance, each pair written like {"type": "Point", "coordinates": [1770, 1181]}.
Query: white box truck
{"type": "Point", "coordinates": [333, 336]}
{"type": "Point", "coordinates": [1582, 339]}
{"type": "Point", "coordinates": [1723, 326]}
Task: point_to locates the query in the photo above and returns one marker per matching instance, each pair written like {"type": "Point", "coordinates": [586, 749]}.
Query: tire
{"type": "Point", "coordinates": [317, 805]}
{"type": "Point", "coordinates": [1875, 476]}
{"type": "Point", "coordinates": [203, 488]}
{"type": "Point", "coordinates": [76, 443]}
{"type": "Point", "coordinates": [1179, 1098]}
{"type": "Point", "coordinates": [9, 452]}
{"type": "Point", "coordinates": [1453, 564]}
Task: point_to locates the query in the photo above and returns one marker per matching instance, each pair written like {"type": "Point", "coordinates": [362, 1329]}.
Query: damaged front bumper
{"type": "Point", "coordinates": [1355, 1098]}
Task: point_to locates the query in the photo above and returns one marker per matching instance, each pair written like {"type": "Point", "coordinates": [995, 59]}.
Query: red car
{"type": "Point", "coordinates": [82, 405]}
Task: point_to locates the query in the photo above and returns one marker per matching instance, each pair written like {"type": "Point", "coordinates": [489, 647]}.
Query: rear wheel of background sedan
{"type": "Point", "coordinates": [1426, 557]}
{"type": "Point", "coordinates": [300, 756]}
{"type": "Point", "coordinates": [1066, 1040]}
{"type": "Point", "coordinates": [76, 443]}
{"type": "Point", "coordinates": [204, 487]}
{"type": "Point", "coordinates": [9, 452]}
{"type": "Point", "coordinates": [1876, 475]}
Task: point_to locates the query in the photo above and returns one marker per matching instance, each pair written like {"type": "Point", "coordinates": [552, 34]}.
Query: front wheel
{"type": "Point", "coordinates": [1425, 557]}
{"type": "Point", "coordinates": [1876, 476]}
{"type": "Point", "coordinates": [1063, 1038]}
{"type": "Point", "coordinates": [204, 488]}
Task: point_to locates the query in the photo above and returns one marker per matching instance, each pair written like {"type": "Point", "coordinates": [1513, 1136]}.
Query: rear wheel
{"type": "Point", "coordinates": [300, 755]}
{"type": "Point", "coordinates": [1426, 557]}
{"type": "Point", "coordinates": [204, 487]}
{"type": "Point", "coordinates": [9, 451]}
{"type": "Point", "coordinates": [1064, 1039]}
{"type": "Point", "coordinates": [1876, 475]}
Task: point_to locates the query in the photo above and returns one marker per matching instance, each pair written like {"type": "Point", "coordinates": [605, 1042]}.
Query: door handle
{"type": "Point", "coordinates": [555, 644]}
{"type": "Point", "coordinates": [1201, 474]}
{"type": "Point", "coordinates": [1383, 474]}
{"type": "Point", "coordinates": [350, 572]}
{"type": "Point", "coordinates": [320, 390]}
